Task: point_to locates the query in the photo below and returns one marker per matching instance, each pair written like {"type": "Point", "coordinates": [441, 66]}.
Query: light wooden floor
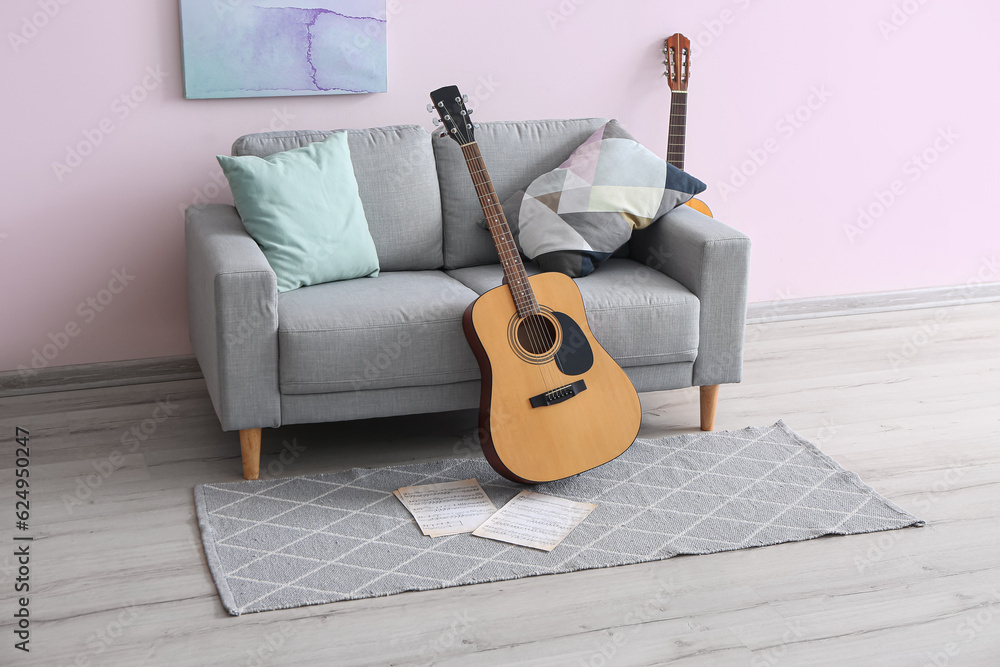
{"type": "Point", "coordinates": [119, 578]}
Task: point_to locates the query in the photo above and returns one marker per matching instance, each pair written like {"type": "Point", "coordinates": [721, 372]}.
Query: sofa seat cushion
{"type": "Point", "coordinates": [401, 329]}
{"type": "Point", "coordinates": [639, 315]}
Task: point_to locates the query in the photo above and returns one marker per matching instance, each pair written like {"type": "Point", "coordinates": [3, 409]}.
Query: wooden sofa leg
{"type": "Point", "coordinates": [709, 401]}
{"type": "Point", "coordinates": [250, 447]}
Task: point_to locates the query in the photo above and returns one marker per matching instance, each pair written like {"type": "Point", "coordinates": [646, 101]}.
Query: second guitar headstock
{"type": "Point", "coordinates": [677, 61]}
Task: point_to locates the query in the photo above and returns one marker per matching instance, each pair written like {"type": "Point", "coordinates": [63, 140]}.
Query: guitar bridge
{"type": "Point", "coordinates": [558, 395]}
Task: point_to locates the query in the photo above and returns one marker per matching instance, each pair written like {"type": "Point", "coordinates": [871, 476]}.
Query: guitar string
{"type": "Point", "coordinates": [677, 137]}
{"type": "Point", "coordinates": [524, 301]}
{"type": "Point", "coordinates": [499, 235]}
{"type": "Point", "coordinates": [506, 254]}
{"type": "Point", "coordinates": [537, 333]}
{"type": "Point", "coordinates": [483, 195]}
{"type": "Point", "coordinates": [535, 319]}
{"type": "Point", "coordinates": [527, 300]}
{"type": "Point", "coordinates": [506, 249]}
{"type": "Point", "coordinates": [678, 119]}
{"type": "Point", "coordinates": [510, 250]}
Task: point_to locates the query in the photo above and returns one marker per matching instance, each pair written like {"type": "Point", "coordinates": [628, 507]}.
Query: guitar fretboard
{"type": "Point", "coordinates": [510, 258]}
{"type": "Point", "coordinates": [678, 128]}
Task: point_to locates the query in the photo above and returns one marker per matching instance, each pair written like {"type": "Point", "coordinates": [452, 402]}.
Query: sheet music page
{"type": "Point", "coordinates": [448, 508]}
{"type": "Point", "coordinates": [535, 520]}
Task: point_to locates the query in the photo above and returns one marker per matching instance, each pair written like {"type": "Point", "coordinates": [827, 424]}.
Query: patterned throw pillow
{"type": "Point", "coordinates": [575, 216]}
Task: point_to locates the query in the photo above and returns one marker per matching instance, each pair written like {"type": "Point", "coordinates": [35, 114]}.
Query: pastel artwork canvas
{"type": "Point", "coordinates": [269, 48]}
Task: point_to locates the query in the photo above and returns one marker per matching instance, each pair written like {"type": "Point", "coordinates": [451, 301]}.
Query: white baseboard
{"type": "Point", "coordinates": [874, 302]}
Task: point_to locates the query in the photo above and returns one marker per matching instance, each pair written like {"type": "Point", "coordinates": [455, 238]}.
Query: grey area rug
{"type": "Point", "coordinates": [284, 543]}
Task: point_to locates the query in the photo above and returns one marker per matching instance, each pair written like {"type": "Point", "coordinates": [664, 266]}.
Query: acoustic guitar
{"type": "Point", "coordinates": [677, 63]}
{"type": "Point", "coordinates": [553, 403]}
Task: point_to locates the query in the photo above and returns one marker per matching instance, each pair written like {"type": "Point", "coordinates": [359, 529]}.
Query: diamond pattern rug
{"type": "Point", "coordinates": [284, 543]}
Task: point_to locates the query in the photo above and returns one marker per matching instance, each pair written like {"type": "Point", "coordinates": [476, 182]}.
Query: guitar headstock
{"type": "Point", "coordinates": [455, 119]}
{"type": "Point", "coordinates": [677, 61]}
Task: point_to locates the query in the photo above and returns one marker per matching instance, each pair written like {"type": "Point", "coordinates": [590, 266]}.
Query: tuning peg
{"type": "Point", "coordinates": [447, 116]}
{"type": "Point", "coordinates": [470, 111]}
{"type": "Point", "coordinates": [437, 121]}
{"type": "Point", "coordinates": [430, 108]}
{"type": "Point", "coordinates": [465, 98]}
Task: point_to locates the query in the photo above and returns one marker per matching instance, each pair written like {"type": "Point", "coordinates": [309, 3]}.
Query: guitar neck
{"type": "Point", "coordinates": [510, 258]}
{"type": "Point", "coordinates": [678, 128]}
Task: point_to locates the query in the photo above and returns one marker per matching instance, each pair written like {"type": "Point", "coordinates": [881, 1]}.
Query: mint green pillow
{"type": "Point", "coordinates": [303, 209]}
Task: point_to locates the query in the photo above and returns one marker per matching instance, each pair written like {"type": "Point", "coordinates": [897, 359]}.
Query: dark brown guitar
{"type": "Point", "coordinates": [553, 403]}
{"type": "Point", "coordinates": [677, 63]}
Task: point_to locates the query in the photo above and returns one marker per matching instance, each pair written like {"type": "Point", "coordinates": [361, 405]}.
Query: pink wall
{"type": "Point", "coordinates": [887, 96]}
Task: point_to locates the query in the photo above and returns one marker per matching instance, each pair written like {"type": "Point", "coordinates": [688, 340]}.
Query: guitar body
{"type": "Point", "coordinates": [531, 444]}
{"type": "Point", "coordinates": [700, 206]}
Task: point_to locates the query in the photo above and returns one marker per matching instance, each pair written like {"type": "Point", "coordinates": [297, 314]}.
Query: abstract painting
{"type": "Point", "coordinates": [269, 48]}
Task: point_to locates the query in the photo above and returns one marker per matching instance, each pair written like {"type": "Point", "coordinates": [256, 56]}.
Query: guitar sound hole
{"type": "Point", "coordinates": [536, 334]}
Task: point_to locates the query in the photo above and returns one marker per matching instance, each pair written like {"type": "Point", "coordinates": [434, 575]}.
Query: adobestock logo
{"type": "Point", "coordinates": [370, 32]}
{"type": "Point", "coordinates": [217, 183]}
{"type": "Point", "coordinates": [914, 168]}
{"type": "Point", "coordinates": [122, 107]}
{"type": "Point", "coordinates": [919, 339]}
{"type": "Point", "coordinates": [139, 432]}
{"type": "Point", "coordinates": [978, 621]}
{"type": "Point", "coordinates": [932, 327]}
{"type": "Point", "coordinates": [773, 654]}
{"type": "Point", "coordinates": [223, 7]}
{"type": "Point", "coordinates": [771, 314]}
{"type": "Point", "coordinates": [565, 9]}
{"type": "Point", "coordinates": [88, 310]}
{"type": "Point", "coordinates": [787, 126]}
{"type": "Point", "coordinates": [375, 366]}
{"type": "Point", "coordinates": [271, 643]}
{"type": "Point", "coordinates": [289, 454]}
{"type": "Point", "coordinates": [484, 89]}
{"type": "Point", "coordinates": [900, 16]}
{"type": "Point", "coordinates": [31, 25]}
{"type": "Point", "coordinates": [648, 610]}
{"type": "Point", "coordinates": [714, 28]}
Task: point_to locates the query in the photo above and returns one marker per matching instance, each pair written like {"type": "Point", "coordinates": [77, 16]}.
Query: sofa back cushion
{"type": "Point", "coordinates": [515, 153]}
{"type": "Point", "coordinates": [397, 182]}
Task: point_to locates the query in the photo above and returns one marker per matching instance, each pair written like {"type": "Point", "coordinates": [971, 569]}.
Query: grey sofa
{"type": "Point", "coordinates": [669, 307]}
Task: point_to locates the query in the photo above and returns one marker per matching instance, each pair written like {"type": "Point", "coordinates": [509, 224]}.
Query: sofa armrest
{"type": "Point", "coordinates": [712, 261]}
{"type": "Point", "coordinates": [232, 305]}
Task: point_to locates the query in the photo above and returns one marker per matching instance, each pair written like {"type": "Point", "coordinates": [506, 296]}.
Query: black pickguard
{"type": "Point", "coordinates": [575, 356]}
